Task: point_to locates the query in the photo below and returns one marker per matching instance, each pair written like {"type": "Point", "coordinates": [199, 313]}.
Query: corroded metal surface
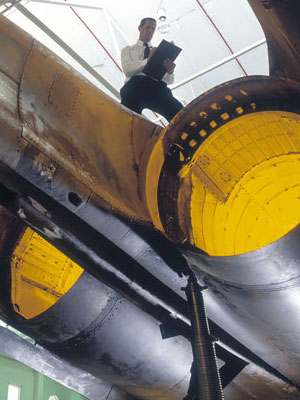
{"type": "Point", "coordinates": [66, 151]}
{"type": "Point", "coordinates": [6, 220]}
{"type": "Point", "coordinates": [8, 94]}
{"type": "Point", "coordinates": [85, 131]}
{"type": "Point", "coordinates": [255, 296]}
{"type": "Point", "coordinates": [58, 369]}
{"type": "Point", "coordinates": [254, 383]}
{"type": "Point", "coordinates": [280, 21]}
{"type": "Point", "coordinates": [15, 47]}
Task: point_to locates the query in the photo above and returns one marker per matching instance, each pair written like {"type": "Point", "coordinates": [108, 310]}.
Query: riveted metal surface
{"type": "Point", "coordinates": [15, 45]}
{"type": "Point", "coordinates": [265, 321]}
{"type": "Point", "coordinates": [131, 280]}
{"type": "Point", "coordinates": [280, 261]}
{"type": "Point", "coordinates": [61, 128]}
{"type": "Point", "coordinates": [57, 369]}
{"type": "Point", "coordinates": [280, 22]}
{"type": "Point", "coordinates": [11, 142]}
{"type": "Point", "coordinates": [255, 383]}
{"type": "Point", "coordinates": [52, 179]}
{"type": "Point", "coordinates": [200, 169]}
{"type": "Point", "coordinates": [255, 296]}
{"type": "Point", "coordinates": [11, 229]}
{"type": "Point", "coordinates": [9, 224]}
{"type": "Point", "coordinates": [84, 131]}
{"type": "Point", "coordinates": [8, 94]}
{"type": "Point", "coordinates": [67, 330]}
{"type": "Point", "coordinates": [115, 341]}
{"type": "Point", "coordinates": [63, 321]}
{"type": "Point", "coordinates": [39, 271]}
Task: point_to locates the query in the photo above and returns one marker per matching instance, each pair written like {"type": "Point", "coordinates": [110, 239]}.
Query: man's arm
{"type": "Point", "coordinates": [169, 76]}
{"type": "Point", "coordinates": [169, 65]}
{"type": "Point", "coordinates": [130, 65]}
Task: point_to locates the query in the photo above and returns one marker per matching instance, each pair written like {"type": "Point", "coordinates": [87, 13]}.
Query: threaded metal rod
{"type": "Point", "coordinates": [208, 379]}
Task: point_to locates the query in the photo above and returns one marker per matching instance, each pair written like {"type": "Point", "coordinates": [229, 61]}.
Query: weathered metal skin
{"type": "Point", "coordinates": [96, 329]}
{"type": "Point", "coordinates": [70, 120]}
{"type": "Point", "coordinates": [85, 131]}
{"type": "Point", "coordinates": [255, 297]}
{"type": "Point", "coordinates": [71, 329]}
{"type": "Point", "coordinates": [279, 20]}
{"type": "Point", "coordinates": [15, 47]}
{"type": "Point", "coordinates": [58, 369]}
{"type": "Point", "coordinates": [86, 152]}
{"type": "Point", "coordinates": [115, 341]}
{"type": "Point", "coordinates": [55, 125]}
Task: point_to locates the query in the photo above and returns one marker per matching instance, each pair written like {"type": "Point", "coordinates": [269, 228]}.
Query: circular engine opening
{"type": "Point", "coordinates": [243, 184]}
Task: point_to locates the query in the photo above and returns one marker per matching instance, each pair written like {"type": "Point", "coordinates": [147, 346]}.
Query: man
{"type": "Point", "coordinates": [141, 91]}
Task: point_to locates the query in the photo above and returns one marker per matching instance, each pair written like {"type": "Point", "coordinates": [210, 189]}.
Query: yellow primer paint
{"type": "Point", "coordinates": [41, 275]}
{"type": "Point", "coordinates": [244, 184]}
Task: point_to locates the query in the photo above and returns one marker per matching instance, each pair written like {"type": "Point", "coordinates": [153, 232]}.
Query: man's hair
{"type": "Point", "coordinates": [144, 20]}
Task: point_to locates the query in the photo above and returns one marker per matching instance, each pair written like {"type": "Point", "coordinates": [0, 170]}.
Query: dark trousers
{"type": "Point", "coordinates": [142, 92]}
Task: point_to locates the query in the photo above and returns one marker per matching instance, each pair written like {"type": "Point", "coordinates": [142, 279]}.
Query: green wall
{"type": "Point", "coordinates": [34, 385]}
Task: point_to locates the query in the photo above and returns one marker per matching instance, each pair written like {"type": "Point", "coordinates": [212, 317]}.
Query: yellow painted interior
{"type": "Point", "coordinates": [41, 275]}
{"type": "Point", "coordinates": [243, 184]}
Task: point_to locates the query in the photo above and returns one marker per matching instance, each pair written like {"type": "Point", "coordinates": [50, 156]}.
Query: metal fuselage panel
{"type": "Point", "coordinates": [82, 153]}
{"type": "Point", "coordinates": [280, 22]}
{"type": "Point", "coordinates": [74, 123]}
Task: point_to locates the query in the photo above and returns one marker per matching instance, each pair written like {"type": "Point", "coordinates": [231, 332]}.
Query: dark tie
{"type": "Point", "coordinates": [147, 50]}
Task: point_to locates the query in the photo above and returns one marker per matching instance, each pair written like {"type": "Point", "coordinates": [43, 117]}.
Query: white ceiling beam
{"type": "Point", "coordinates": [8, 5]}
{"type": "Point", "coordinates": [218, 64]}
{"type": "Point", "coordinates": [60, 3]}
{"type": "Point", "coordinates": [112, 34]}
{"type": "Point", "coordinates": [68, 49]}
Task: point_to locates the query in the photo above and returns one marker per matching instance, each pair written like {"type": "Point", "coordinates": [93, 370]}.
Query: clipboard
{"type": "Point", "coordinates": [154, 67]}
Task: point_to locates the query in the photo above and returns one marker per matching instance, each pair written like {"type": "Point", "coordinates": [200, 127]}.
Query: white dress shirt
{"type": "Point", "coordinates": [133, 62]}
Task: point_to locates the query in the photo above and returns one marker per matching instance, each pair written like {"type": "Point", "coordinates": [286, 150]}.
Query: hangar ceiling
{"type": "Point", "coordinates": [220, 40]}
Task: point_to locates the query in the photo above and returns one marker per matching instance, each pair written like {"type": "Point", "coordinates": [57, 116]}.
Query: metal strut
{"type": "Point", "coordinates": [205, 379]}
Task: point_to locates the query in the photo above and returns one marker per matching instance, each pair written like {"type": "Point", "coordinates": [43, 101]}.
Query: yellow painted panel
{"type": "Point", "coordinates": [247, 192]}
{"type": "Point", "coordinates": [41, 275]}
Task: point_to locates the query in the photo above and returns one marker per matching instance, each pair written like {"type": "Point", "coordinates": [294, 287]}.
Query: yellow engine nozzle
{"type": "Point", "coordinates": [230, 167]}
{"type": "Point", "coordinates": [40, 274]}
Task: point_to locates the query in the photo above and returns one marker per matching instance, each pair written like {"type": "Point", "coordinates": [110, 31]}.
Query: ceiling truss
{"type": "Point", "coordinates": [113, 23]}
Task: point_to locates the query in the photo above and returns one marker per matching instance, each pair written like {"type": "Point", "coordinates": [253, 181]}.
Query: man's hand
{"type": "Point", "coordinates": [169, 65]}
{"type": "Point", "coordinates": [152, 51]}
